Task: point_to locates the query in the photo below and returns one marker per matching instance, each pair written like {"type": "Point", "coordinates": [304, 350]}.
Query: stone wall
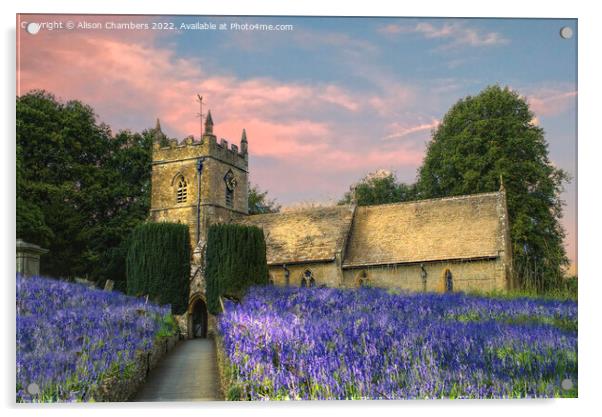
{"type": "Point", "coordinates": [326, 273]}
{"type": "Point", "coordinates": [213, 188]}
{"type": "Point", "coordinates": [119, 388]}
{"type": "Point", "coordinates": [227, 381]}
{"type": "Point", "coordinates": [479, 275]}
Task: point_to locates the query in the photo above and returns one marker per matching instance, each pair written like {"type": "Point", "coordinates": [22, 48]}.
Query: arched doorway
{"type": "Point", "coordinates": [198, 315]}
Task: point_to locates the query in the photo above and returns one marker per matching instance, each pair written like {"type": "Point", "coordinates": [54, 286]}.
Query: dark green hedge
{"type": "Point", "coordinates": [158, 264]}
{"type": "Point", "coordinates": [236, 260]}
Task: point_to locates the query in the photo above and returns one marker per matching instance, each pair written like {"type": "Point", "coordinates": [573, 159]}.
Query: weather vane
{"type": "Point", "coordinates": [200, 115]}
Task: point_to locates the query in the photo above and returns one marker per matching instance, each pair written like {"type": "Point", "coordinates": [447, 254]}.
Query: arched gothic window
{"type": "Point", "coordinates": [231, 183]}
{"type": "Point", "coordinates": [362, 279]}
{"type": "Point", "coordinates": [308, 280]}
{"type": "Point", "coordinates": [182, 190]}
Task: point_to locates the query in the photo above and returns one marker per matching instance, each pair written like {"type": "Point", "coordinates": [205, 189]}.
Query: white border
{"type": "Point", "coordinates": [588, 213]}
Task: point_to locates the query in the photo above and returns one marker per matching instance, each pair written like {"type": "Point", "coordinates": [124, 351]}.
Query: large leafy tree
{"type": "Point", "coordinates": [80, 191]}
{"type": "Point", "coordinates": [491, 136]}
{"type": "Point", "coordinates": [260, 203]}
{"type": "Point", "coordinates": [31, 223]}
{"type": "Point", "coordinates": [380, 187]}
{"type": "Point", "coordinates": [126, 206]}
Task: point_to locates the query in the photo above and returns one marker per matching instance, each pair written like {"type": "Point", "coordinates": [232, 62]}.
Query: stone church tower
{"type": "Point", "coordinates": [198, 183]}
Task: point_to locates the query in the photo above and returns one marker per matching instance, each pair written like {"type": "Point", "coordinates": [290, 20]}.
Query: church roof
{"type": "Point", "coordinates": [464, 227]}
{"type": "Point", "coordinates": [309, 235]}
{"type": "Point", "coordinates": [454, 228]}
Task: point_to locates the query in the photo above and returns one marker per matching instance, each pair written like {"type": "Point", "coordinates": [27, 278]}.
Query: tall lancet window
{"type": "Point", "coordinates": [182, 190]}
{"type": "Point", "coordinates": [231, 183]}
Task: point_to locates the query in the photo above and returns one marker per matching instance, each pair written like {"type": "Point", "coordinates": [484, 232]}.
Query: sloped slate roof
{"type": "Point", "coordinates": [309, 235]}
{"type": "Point", "coordinates": [464, 227]}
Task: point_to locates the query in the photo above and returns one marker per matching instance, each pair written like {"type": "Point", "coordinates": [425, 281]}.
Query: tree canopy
{"type": "Point", "coordinates": [491, 136]}
{"type": "Point", "coordinates": [380, 187]}
{"type": "Point", "coordinates": [260, 203]}
{"type": "Point", "coordinates": [80, 190]}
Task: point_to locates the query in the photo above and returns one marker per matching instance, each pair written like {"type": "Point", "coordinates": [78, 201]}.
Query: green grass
{"type": "Point", "coordinates": [567, 292]}
{"type": "Point", "coordinates": [169, 326]}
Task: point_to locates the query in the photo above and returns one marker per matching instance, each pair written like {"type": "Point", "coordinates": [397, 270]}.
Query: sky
{"type": "Point", "coordinates": [324, 102]}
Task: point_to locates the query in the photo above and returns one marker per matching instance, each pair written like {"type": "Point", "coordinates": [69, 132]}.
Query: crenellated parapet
{"type": "Point", "coordinates": [208, 146]}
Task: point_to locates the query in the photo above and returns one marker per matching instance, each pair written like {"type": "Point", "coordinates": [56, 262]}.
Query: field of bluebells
{"type": "Point", "coordinates": [323, 343]}
{"type": "Point", "coordinates": [70, 336]}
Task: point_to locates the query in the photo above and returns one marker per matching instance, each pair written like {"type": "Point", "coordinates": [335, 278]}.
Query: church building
{"type": "Point", "coordinates": [457, 243]}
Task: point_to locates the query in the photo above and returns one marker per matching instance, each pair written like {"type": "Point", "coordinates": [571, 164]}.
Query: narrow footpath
{"type": "Point", "coordinates": [187, 373]}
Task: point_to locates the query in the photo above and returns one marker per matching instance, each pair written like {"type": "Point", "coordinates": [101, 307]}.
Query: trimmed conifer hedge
{"type": "Point", "coordinates": [236, 260]}
{"type": "Point", "coordinates": [158, 264]}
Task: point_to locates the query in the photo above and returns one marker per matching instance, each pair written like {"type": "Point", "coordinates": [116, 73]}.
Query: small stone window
{"type": "Point", "coordinates": [308, 280]}
{"type": "Point", "coordinates": [229, 198]}
{"type": "Point", "coordinates": [362, 279]}
{"type": "Point", "coordinates": [182, 190]}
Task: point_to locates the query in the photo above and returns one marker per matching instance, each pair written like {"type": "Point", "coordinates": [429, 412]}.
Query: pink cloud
{"type": "Point", "coordinates": [338, 96]}
{"type": "Point", "coordinates": [402, 131]}
{"type": "Point", "coordinates": [373, 159]}
{"type": "Point", "coordinates": [281, 140]}
{"type": "Point", "coordinates": [131, 81]}
{"type": "Point", "coordinates": [391, 29]}
{"type": "Point", "coordinates": [119, 77]}
{"type": "Point", "coordinates": [396, 98]}
{"type": "Point", "coordinates": [551, 102]}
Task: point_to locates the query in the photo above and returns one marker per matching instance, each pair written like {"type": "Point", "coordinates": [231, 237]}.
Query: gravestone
{"type": "Point", "coordinates": [28, 258]}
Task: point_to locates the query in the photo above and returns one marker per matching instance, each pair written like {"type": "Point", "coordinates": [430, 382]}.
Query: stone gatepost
{"type": "Point", "coordinates": [28, 258]}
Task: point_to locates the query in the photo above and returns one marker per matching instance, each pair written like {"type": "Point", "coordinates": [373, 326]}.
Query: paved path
{"type": "Point", "coordinates": [187, 373]}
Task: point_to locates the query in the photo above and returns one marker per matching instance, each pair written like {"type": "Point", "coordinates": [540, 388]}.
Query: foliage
{"type": "Point", "coordinates": [158, 264]}
{"type": "Point", "coordinates": [31, 223]}
{"type": "Point", "coordinates": [380, 187]}
{"type": "Point", "coordinates": [491, 136]}
{"type": "Point", "coordinates": [80, 190]}
{"type": "Point", "coordinates": [325, 343]}
{"type": "Point", "coordinates": [236, 260]}
{"type": "Point", "coordinates": [259, 202]}
{"type": "Point", "coordinates": [168, 326]}
{"type": "Point", "coordinates": [566, 290]}
{"type": "Point", "coordinates": [570, 287]}
{"type": "Point", "coordinates": [69, 337]}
